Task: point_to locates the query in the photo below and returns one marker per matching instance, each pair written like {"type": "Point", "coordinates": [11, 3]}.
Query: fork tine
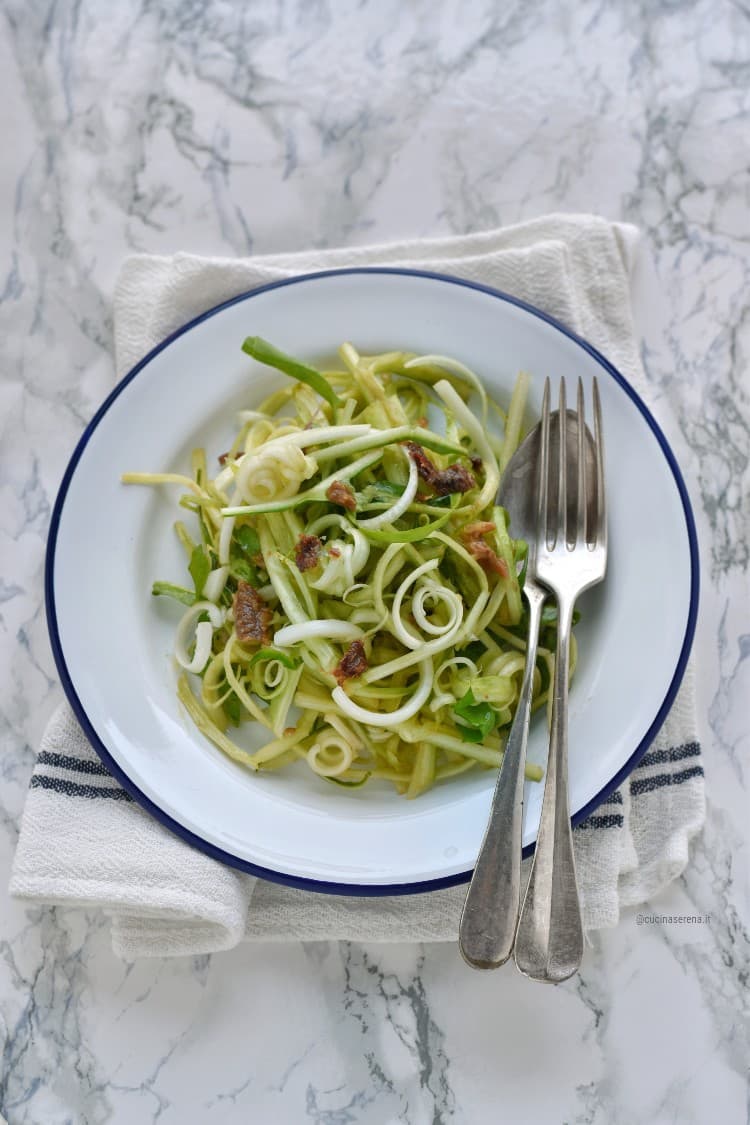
{"type": "Point", "coordinates": [600, 531]}
{"type": "Point", "coordinates": [581, 521]}
{"type": "Point", "coordinates": [543, 465]}
{"type": "Point", "coordinates": [562, 471]}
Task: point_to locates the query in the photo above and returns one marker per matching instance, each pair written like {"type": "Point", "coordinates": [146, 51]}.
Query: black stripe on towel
{"type": "Point", "coordinates": [77, 765]}
{"type": "Point", "coordinates": [673, 754]}
{"type": "Point", "coordinates": [614, 798]}
{"type": "Point", "coordinates": [70, 789]}
{"type": "Point", "coordinates": [647, 784]}
{"type": "Point", "coordinates": [609, 820]}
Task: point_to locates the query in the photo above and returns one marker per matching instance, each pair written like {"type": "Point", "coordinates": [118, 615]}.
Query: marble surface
{"type": "Point", "coordinates": [231, 128]}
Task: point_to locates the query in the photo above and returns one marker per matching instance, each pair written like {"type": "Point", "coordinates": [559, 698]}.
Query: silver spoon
{"type": "Point", "coordinates": [490, 914]}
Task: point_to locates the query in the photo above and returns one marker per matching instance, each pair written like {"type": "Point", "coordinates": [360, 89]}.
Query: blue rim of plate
{"type": "Point", "coordinates": [356, 889]}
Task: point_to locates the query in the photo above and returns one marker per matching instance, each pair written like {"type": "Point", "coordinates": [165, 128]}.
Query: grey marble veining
{"type": "Point", "coordinates": [229, 128]}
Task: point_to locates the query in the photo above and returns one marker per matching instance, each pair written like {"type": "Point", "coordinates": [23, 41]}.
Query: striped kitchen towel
{"type": "Point", "coordinates": [85, 842]}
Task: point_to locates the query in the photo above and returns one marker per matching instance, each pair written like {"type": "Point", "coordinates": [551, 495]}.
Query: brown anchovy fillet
{"type": "Point", "coordinates": [339, 492]}
{"type": "Point", "coordinates": [252, 617]}
{"type": "Point", "coordinates": [307, 552]}
{"type": "Point", "coordinates": [353, 663]}
{"type": "Point", "coordinates": [481, 551]}
{"type": "Point", "coordinates": [425, 467]}
{"type": "Point", "coordinates": [453, 479]}
{"type": "Point", "coordinates": [443, 481]}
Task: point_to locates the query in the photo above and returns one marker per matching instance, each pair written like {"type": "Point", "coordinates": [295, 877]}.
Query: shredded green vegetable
{"type": "Point", "coordinates": [355, 587]}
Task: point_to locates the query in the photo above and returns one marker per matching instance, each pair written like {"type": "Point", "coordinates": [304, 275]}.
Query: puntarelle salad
{"type": "Point", "coordinates": [354, 588]}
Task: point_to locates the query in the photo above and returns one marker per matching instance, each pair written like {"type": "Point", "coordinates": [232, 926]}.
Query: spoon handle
{"type": "Point", "coordinates": [490, 913]}
{"type": "Point", "coordinates": [549, 942]}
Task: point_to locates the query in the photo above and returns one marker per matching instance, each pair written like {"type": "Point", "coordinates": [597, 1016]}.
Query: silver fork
{"type": "Point", "coordinates": [571, 556]}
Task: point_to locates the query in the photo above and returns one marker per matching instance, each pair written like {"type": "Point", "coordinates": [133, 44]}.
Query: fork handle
{"type": "Point", "coordinates": [549, 941]}
{"type": "Point", "coordinates": [490, 913]}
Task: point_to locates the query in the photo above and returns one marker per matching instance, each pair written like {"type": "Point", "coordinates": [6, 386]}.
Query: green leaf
{"type": "Point", "coordinates": [478, 717]}
{"type": "Point", "coordinates": [168, 590]}
{"type": "Point", "coordinates": [469, 734]}
{"type": "Point", "coordinates": [246, 538]}
{"type": "Point", "coordinates": [200, 568]}
{"type": "Point", "coordinates": [264, 352]}
{"type": "Point", "coordinates": [472, 651]}
{"type": "Point", "coordinates": [241, 569]}
{"type": "Point", "coordinates": [245, 547]}
{"type": "Point", "coordinates": [549, 614]}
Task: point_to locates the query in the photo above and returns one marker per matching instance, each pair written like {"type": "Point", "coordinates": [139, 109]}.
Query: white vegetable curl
{"type": "Point", "coordinates": [427, 594]}
{"type": "Point", "coordinates": [391, 718]}
{"type": "Point", "coordinates": [273, 472]}
{"type": "Point", "coordinates": [442, 696]}
{"type": "Point", "coordinates": [339, 572]}
{"type": "Point", "coordinates": [202, 633]}
{"type": "Point", "coordinates": [330, 755]}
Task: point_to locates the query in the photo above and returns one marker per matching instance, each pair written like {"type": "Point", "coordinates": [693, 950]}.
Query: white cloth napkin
{"type": "Point", "coordinates": [85, 842]}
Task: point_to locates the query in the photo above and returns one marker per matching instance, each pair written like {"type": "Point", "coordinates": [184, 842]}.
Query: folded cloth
{"type": "Point", "coordinates": [85, 842]}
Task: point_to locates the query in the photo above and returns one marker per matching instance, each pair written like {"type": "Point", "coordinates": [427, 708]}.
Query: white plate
{"type": "Point", "coordinates": [112, 640]}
